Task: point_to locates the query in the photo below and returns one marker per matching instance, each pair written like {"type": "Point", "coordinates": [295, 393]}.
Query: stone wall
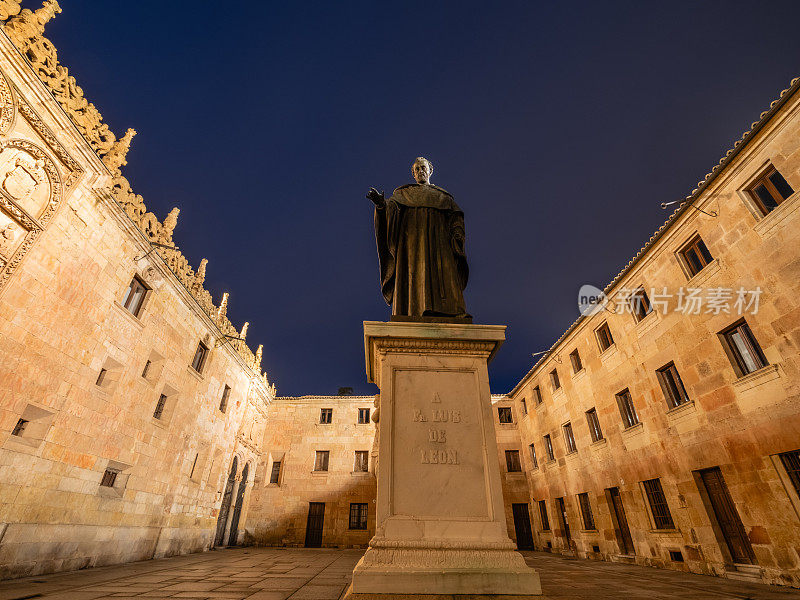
{"type": "Point", "coordinates": [735, 422]}
{"type": "Point", "coordinates": [279, 511]}
{"type": "Point", "coordinates": [68, 253]}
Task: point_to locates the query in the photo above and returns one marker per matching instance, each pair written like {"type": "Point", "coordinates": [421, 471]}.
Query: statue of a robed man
{"type": "Point", "coordinates": [420, 237]}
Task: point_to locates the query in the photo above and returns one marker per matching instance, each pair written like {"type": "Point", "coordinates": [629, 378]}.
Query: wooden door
{"type": "Point", "coordinates": [562, 517]}
{"type": "Point", "coordinates": [316, 517]}
{"type": "Point", "coordinates": [727, 516]}
{"type": "Point", "coordinates": [522, 526]}
{"type": "Point", "coordinates": [623, 531]}
{"type": "Point", "coordinates": [237, 509]}
{"type": "Point", "coordinates": [225, 507]}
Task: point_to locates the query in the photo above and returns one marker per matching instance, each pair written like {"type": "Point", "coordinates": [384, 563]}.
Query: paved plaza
{"type": "Point", "coordinates": [305, 574]}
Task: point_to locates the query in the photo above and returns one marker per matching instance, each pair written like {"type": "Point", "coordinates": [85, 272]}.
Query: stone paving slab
{"type": "Point", "coordinates": [324, 574]}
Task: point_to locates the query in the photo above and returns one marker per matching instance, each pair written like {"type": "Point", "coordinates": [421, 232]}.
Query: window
{"type": "Point", "coordinates": [575, 359]}
{"type": "Point", "coordinates": [321, 460]}
{"type": "Point", "coordinates": [548, 448]}
{"type": "Point", "coordinates": [194, 464]}
{"type": "Point", "coordinates": [658, 504]}
{"type": "Point", "coordinates": [159, 411]}
{"type": "Point", "coordinates": [223, 403]}
{"type": "Point", "coordinates": [504, 414]}
{"type": "Point", "coordinates": [523, 406]}
{"type": "Point", "coordinates": [101, 377]}
{"type": "Point", "coordinates": [109, 478]}
{"type": "Point", "coordinates": [146, 368]}
{"type": "Point", "coordinates": [743, 348]}
{"type": "Point", "coordinates": [200, 355]}
{"type": "Point", "coordinates": [554, 380]}
{"type": "Point", "coordinates": [594, 425]}
{"type": "Point", "coordinates": [569, 438]}
{"type": "Point", "coordinates": [326, 416]}
{"type": "Point", "coordinates": [791, 462]}
{"type": "Point", "coordinates": [543, 515]}
{"type": "Point", "coordinates": [627, 409]}
{"type": "Point", "coordinates": [363, 416]}
{"type": "Point", "coordinates": [675, 556]}
{"type": "Point", "coordinates": [536, 393]}
{"type": "Point", "coordinates": [604, 339]}
{"type": "Point", "coordinates": [586, 511]}
{"type": "Point", "coordinates": [19, 427]}
{"type": "Point", "coordinates": [695, 255]}
{"type": "Point", "coordinates": [769, 191]}
{"type": "Point", "coordinates": [134, 297]}
{"type": "Point", "coordinates": [639, 304]}
{"type": "Point", "coordinates": [362, 461]}
{"type": "Point", "coordinates": [672, 385]}
{"type": "Point", "coordinates": [358, 515]}
{"type": "Point", "coordinates": [534, 462]}
{"type": "Point", "coordinates": [512, 461]}
{"type": "Point", "coordinates": [275, 474]}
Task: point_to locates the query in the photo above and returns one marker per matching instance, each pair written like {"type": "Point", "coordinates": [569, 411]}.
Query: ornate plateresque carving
{"type": "Point", "coordinates": [22, 179]}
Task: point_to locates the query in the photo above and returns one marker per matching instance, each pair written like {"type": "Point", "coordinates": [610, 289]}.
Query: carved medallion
{"type": "Point", "coordinates": [29, 178]}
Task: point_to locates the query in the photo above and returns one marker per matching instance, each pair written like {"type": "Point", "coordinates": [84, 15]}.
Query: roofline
{"type": "Point", "coordinates": [738, 146]}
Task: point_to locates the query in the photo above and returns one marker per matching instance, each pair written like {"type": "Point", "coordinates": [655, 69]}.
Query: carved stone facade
{"type": "Point", "coordinates": [113, 447]}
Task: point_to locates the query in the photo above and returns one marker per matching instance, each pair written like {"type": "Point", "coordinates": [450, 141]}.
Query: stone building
{"type": "Point", "coordinates": [126, 396]}
{"type": "Point", "coordinates": [663, 427]}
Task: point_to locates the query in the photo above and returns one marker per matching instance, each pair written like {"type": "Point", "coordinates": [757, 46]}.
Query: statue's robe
{"type": "Point", "coordinates": [420, 236]}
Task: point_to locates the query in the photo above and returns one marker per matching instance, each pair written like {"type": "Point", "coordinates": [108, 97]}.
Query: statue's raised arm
{"type": "Point", "coordinates": [419, 231]}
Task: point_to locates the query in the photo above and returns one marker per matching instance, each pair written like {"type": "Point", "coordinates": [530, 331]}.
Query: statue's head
{"type": "Point", "coordinates": [422, 170]}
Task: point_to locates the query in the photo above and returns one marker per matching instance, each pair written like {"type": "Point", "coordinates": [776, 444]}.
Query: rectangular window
{"type": "Point", "coordinates": [200, 355]}
{"type": "Point", "coordinates": [223, 403]}
{"type": "Point", "coordinates": [326, 416]}
{"type": "Point", "coordinates": [548, 448]}
{"type": "Point", "coordinates": [594, 425]}
{"type": "Point", "coordinates": [162, 401]}
{"type": "Point", "coordinates": [743, 348]}
{"type": "Point", "coordinates": [321, 460]}
{"type": "Point", "coordinates": [569, 438]}
{"type": "Point", "coordinates": [363, 416]}
{"type": "Point", "coordinates": [604, 339]}
{"type": "Point", "coordinates": [658, 504]}
{"type": "Point", "coordinates": [586, 511]}
{"type": "Point", "coordinates": [575, 359]}
{"type": "Point", "coordinates": [101, 377]}
{"type": "Point", "coordinates": [512, 461]}
{"type": "Point", "coordinates": [770, 190]}
{"type": "Point", "coordinates": [275, 474]}
{"type": "Point", "coordinates": [791, 462]}
{"type": "Point", "coordinates": [672, 385]}
{"type": "Point", "coordinates": [554, 380]}
{"type": "Point", "coordinates": [146, 369]}
{"type": "Point", "coordinates": [358, 515]}
{"type": "Point", "coordinates": [523, 406]}
{"type": "Point", "coordinates": [109, 478]}
{"type": "Point", "coordinates": [134, 297]}
{"type": "Point", "coordinates": [194, 465]}
{"type": "Point", "coordinates": [19, 427]}
{"type": "Point", "coordinates": [627, 409]}
{"type": "Point", "coordinates": [536, 393]}
{"type": "Point", "coordinates": [504, 414]}
{"type": "Point", "coordinates": [534, 462]}
{"type": "Point", "coordinates": [639, 304]}
{"type": "Point", "coordinates": [695, 255]}
{"type": "Point", "coordinates": [362, 461]}
{"type": "Point", "coordinates": [543, 515]}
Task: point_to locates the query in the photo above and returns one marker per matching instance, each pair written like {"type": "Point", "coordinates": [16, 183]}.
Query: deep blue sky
{"type": "Point", "coordinates": [558, 127]}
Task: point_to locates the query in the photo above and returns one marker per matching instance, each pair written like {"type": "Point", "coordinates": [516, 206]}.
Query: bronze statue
{"type": "Point", "coordinates": [420, 237]}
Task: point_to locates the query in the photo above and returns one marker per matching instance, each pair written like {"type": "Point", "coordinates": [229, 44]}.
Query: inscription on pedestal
{"type": "Point", "coordinates": [439, 445]}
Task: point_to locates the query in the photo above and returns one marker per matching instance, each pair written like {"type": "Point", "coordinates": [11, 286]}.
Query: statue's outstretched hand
{"type": "Point", "coordinates": [376, 196]}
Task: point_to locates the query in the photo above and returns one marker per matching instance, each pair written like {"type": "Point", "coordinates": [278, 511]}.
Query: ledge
{"type": "Point", "coordinates": [608, 353]}
{"type": "Point", "coordinates": [756, 378]}
{"type": "Point", "coordinates": [767, 224]}
{"type": "Point", "coordinates": [601, 443]}
{"type": "Point", "coordinates": [647, 323]}
{"type": "Point", "coordinates": [193, 373]}
{"type": "Point", "coordinates": [705, 273]}
{"type": "Point", "coordinates": [579, 375]}
{"type": "Point", "coordinates": [129, 315]}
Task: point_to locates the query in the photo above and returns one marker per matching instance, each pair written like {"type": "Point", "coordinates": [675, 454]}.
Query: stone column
{"type": "Point", "coordinates": [440, 520]}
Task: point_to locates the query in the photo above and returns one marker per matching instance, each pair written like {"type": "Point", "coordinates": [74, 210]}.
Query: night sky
{"type": "Point", "coordinates": [558, 127]}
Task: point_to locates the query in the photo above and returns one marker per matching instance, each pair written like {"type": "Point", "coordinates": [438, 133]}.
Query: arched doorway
{"type": "Point", "coordinates": [237, 509]}
{"type": "Point", "coordinates": [225, 508]}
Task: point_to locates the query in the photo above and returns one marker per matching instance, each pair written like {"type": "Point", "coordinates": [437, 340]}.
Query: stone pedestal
{"type": "Point", "coordinates": [441, 526]}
